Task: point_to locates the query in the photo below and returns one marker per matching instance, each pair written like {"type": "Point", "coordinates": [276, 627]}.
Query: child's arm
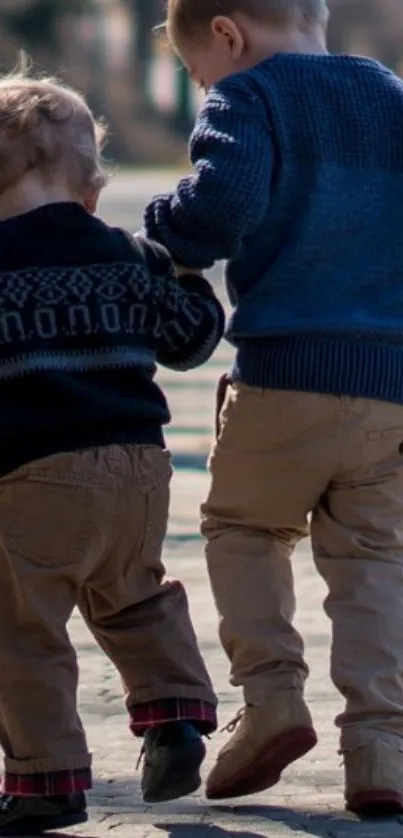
{"type": "Point", "coordinates": [226, 198]}
{"type": "Point", "coordinates": [191, 319]}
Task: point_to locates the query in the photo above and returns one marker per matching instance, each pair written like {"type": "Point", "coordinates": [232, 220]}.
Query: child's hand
{"type": "Point", "coordinates": [181, 271]}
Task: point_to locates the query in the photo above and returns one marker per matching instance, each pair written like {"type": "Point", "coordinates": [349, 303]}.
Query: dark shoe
{"type": "Point", "coordinates": [173, 754]}
{"type": "Point", "coordinates": [34, 815]}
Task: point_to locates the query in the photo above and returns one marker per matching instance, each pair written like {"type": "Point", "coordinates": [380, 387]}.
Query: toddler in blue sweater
{"type": "Point", "coordinates": [298, 185]}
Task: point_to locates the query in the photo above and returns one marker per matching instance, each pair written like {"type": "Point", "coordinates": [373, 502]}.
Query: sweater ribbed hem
{"type": "Point", "coordinates": [357, 368]}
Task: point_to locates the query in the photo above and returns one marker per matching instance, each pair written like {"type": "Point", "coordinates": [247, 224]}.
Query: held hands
{"type": "Point", "coordinates": [180, 270]}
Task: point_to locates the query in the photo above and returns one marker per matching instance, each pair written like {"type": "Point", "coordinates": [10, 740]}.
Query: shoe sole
{"type": "Point", "coordinates": [266, 770]}
{"type": "Point", "coordinates": [35, 826]}
{"type": "Point", "coordinates": [177, 773]}
{"type": "Point", "coordinates": [377, 803]}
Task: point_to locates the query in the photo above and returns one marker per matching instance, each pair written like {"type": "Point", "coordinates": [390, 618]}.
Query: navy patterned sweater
{"type": "Point", "coordinates": [86, 313]}
{"type": "Point", "coordinates": [298, 183]}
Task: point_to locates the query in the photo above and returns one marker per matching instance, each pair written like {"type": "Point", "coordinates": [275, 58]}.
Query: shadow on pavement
{"type": "Point", "coordinates": [305, 821]}
{"type": "Point", "coordinates": [118, 803]}
{"type": "Point", "coordinates": [199, 830]}
{"type": "Point", "coordinates": [66, 834]}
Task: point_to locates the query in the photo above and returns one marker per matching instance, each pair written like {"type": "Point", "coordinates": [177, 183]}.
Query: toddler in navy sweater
{"type": "Point", "coordinates": [86, 313]}
{"type": "Point", "coordinates": [298, 184]}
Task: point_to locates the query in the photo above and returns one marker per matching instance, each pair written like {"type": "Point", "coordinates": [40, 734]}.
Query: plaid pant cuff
{"type": "Point", "coordinates": [45, 785]}
{"type": "Point", "coordinates": [157, 713]}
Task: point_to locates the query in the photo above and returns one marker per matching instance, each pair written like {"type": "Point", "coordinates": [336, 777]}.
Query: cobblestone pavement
{"type": "Point", "coordinates": [308, 801]}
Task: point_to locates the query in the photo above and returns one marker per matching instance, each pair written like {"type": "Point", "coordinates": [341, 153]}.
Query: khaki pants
{"type": "Point", "coordinates": [280, 456]}
{"type": "Point", "coordinates": [86, 528]}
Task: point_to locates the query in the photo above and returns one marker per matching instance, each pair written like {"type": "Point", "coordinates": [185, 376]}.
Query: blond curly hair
{"type": "Point", "coordinates": [48, 127]}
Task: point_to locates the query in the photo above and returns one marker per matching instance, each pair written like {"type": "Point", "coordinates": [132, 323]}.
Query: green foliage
{"type": "Point", "coordinates": [36, 24]}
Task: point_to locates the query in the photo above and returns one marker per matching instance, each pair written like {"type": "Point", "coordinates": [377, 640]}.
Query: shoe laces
{"type": "Point", "coordinates": [233, 724]}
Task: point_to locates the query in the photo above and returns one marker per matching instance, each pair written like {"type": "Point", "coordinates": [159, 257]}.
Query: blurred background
{"type": "Point", "coordinates": [107, 49]}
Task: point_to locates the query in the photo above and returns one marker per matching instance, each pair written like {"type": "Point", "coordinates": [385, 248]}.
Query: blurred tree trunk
{"type": "Point", "coordinates": [183, 116]}
{"type": "Point", "coordinates": [34, 24]}
{"type": "Point", "coordinates": [144, 16]}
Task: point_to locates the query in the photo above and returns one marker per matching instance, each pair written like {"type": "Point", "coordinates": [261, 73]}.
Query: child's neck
{"type": "Point", "coordinates": [31, 193]}
{"type": "Point", "coordinates": [311, 42]}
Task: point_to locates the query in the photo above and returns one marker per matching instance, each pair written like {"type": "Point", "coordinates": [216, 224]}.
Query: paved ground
{"type": "Point", "coordinates": [309, 799]}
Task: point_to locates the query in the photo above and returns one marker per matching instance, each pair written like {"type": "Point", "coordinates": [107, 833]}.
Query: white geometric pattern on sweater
{"type": "Point", "coordinates": [87, 317]}
{"type": "Point", "coordinates": [41, 304]}
{"type": "Point", "coordinates": [52, 285]}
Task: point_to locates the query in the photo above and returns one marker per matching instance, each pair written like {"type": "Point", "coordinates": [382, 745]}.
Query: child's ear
{"type": "Point", "coordinates": [228, 32]}
{"type": "Point", "coordinates": [90, 200]}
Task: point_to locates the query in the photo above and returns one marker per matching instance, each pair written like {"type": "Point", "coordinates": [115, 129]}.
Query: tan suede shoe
{"type": "Point", "coordinates": [374, 780]}
{"type": "Point", "coordinates": [266, 740]}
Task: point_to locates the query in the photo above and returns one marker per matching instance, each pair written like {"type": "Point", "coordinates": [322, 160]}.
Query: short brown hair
{"type": "Point", "coordinates": [47, 126]}
{"type": "Point", "coordinates": [187, 17]}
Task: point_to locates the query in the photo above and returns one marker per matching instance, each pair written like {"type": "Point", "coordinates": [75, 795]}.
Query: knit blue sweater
{"type": "Point", "coordinates": [298, 183]}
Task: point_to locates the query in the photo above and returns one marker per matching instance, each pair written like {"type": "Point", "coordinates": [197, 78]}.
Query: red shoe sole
{"type": "Point", "coordinates": [265, 771]}
{"type": "Point", "coordinates": [376, 803]}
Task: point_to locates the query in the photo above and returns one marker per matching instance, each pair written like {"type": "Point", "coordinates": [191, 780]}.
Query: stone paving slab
{"type": "Point", "coordinates": [308, 801]}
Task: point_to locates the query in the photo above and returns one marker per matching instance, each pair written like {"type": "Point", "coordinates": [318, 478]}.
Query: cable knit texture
{"type": "Point", "coordinates": [298, 183]}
